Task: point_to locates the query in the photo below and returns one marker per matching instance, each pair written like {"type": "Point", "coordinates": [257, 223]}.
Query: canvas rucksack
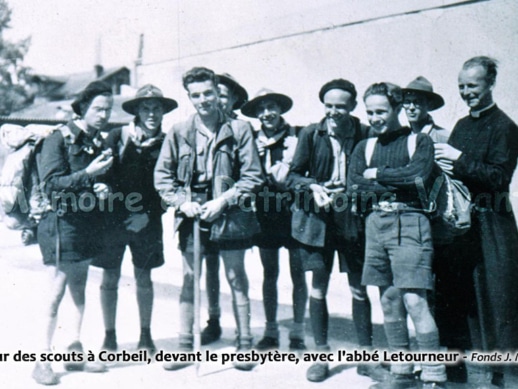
{"type": "Point", "coordinates": [449, 201]}
{"type": "Point", "coordinates": [21, 193]}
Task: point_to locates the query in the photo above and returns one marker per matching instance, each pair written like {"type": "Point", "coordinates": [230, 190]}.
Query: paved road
{"type": "Point", "coordinates": [22, 280]}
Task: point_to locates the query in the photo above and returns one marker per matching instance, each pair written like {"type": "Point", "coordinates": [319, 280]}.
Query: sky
{"type": "Point", "coordinates": [65, 33]}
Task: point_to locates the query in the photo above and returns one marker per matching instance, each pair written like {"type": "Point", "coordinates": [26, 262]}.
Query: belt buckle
{"type": "Point", "coordinates": [385, 206]}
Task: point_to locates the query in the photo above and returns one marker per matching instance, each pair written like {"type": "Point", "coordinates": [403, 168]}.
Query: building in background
{"type": "Point", "coordinates": [54, 94]}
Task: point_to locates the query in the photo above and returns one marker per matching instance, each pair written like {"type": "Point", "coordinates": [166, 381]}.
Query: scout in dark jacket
{"type": "Point", "coordinates": [483, 265]}
{"type": "Point", "coordinates": [276, 141]}
{"type": "Point", "coordinates": [70, 163]}
{"type": "Point", "coordinates": [207, 166]}
{"type": "Point", "coordinates": [399, 250]}
{"type": "Point", "coordinates": [322, 220]}
{"type": "Point", "coordinates": [139, 226]}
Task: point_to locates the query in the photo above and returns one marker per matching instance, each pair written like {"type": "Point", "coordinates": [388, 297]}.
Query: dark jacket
{"type": "Point", "coordinates": [75, 217]}
{"type": "Point", "coordinates": [236, 164]}
{"type": "Point", "coordinates": [132, 172]}
{"type": "Point", "coordinates": [313, 164]}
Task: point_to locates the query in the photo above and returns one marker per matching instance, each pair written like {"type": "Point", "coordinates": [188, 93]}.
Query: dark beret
{"type": "Point", "coordinates": [92, 90]}
{"type": "Point", "coordinates": [337, 84]}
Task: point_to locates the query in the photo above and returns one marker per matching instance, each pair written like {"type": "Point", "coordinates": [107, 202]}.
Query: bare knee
{"type": "Point", "coordinates": [110, 279]}
{"type": "Point", "coordinates": [143, 278]}
{"type": "Point", "coordinates": [416, 304]}
{"type": "Point", "coordinates": [392, 304]}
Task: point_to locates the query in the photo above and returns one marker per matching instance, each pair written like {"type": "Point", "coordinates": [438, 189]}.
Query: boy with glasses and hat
{"type": "Point", "coordinates": [418, 100]}
{"type": "Point", "coordinates": [276, 141]}
{"type": "Point", "coordinates": [231, 97]}
{"type": "Point", "coordinates": [135, 149]}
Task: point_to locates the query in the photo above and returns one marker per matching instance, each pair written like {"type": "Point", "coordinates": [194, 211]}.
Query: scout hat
{"type": "Point", "coordinates": [250, 108]}
{"type": "Point", "coordinates": [422, 86]}
{"type": "Point", "coordinates": [148, 92]}
{"type": "Point", "coordinates": [91, 91]}
{"type": "Point", "coordinates": [235, 87]}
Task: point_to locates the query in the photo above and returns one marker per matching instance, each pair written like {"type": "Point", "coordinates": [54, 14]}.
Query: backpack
{"type": "Point", "coordinates": [21, 194]}
{"type": "Point", "coordinates": [449, 202]}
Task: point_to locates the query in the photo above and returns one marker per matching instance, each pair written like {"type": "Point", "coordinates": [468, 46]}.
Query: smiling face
{"type": "Point", "coordinates": [474, 87]}
{"type": "Point", "coordinates": [150, 113]}
{"type": "Point", "coordinates": [382, 116]}
{"type": "Point", "coordinates": [269, 114]}
{"type": "Point", "coordinates": [98, 112]}
{"type": "Point", "coordinates": [204, 97]}
{"type": "Point", "coordinates": [338, 105]}
{"type": "Point", "coordinates": [227, 99]}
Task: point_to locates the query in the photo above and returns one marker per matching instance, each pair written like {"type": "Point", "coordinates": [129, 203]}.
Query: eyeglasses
{"type": "Point", "coordinates": [417, 103]}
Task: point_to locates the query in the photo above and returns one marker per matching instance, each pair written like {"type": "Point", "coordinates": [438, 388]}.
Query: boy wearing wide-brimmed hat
{"type": "Point", "coordinates": [276, 141]}
{"type": "Point", "coordinates": [232, 95]}
{"type": "Point", "coordinates": [418, 99]}
{"type": "Point", "coordinates": [135, 148]}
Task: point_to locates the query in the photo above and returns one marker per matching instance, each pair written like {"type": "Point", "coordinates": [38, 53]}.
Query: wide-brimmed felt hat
{"type": "Point", "coordinates": [235, 87]}
{"type": "Point", "coordinates": [91, 91]}
{"type": "Point", "coordinates": [250, 108]}
{"type": "Point", "coordinates": [424, 87]}
{"type": "Point", "coordinates": [145, 93]}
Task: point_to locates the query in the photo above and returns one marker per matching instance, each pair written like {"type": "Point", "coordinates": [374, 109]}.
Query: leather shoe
{"type": "Point", "coordinates": [146, 343]}
{"type": "Point", "coordinates": [374, 371]}
{"type": "Point", "coordinates": [244, 366]}
{"type": "Point", "coordinates": [44, 375]}
{"type": "Point", "coordinates": [211, 333]}
{"type": "Point", "coordinates": [397, 381]}
{"type": "Point", "coordinates": [267, 343]}
{"type": "Point", "coordinates": [297, 345]}
{"type": "Point", "coordinates": [318, 372]}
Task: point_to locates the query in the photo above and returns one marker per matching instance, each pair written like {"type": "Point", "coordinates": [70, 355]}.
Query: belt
{"type": "Point", "coordinates": [200, 188]}
{"type": "Point", "coordinates": [385, 206]}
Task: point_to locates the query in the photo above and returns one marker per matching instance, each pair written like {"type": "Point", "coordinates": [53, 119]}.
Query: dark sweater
{"type": "Point", "coordinates": [397, 173]}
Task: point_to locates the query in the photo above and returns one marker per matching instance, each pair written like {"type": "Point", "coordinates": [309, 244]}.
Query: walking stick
{"type": "Point", "coordinates": [197, 270]}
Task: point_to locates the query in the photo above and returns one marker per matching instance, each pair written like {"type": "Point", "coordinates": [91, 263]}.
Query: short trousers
{"type": "Point", "coordinates": [350, 255]}
{"type": "Point", "coordinates": [398, 250]}
{"type": "Point", "coordinates": [146, 246]}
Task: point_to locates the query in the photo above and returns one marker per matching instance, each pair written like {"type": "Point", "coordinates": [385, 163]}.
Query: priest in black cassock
{"type": "Point", "coordinates": [482, 152]}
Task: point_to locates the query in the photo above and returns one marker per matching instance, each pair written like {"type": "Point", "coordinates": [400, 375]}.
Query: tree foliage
{"type": "Point", "coordinates": [14, 88]}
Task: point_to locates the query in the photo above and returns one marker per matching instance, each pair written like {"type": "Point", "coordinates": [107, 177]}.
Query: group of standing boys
{"type": "Point", "coordinates": [333, 187]}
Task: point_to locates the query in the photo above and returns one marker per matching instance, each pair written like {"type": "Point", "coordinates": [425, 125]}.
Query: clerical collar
{"type": "Point", "coordinates": [476, 114]}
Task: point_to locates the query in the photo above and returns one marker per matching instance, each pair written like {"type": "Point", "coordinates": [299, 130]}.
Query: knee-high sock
{"type": "Point", "coordinates": [362, 321]}
{"type": "Point", "coordinates": [319, 320]}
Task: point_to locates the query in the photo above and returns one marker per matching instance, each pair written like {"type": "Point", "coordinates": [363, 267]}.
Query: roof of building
{"type": "Point", "coordinates": [70, 85]}
{"type": "Point", "coordinates": [54, 112]}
